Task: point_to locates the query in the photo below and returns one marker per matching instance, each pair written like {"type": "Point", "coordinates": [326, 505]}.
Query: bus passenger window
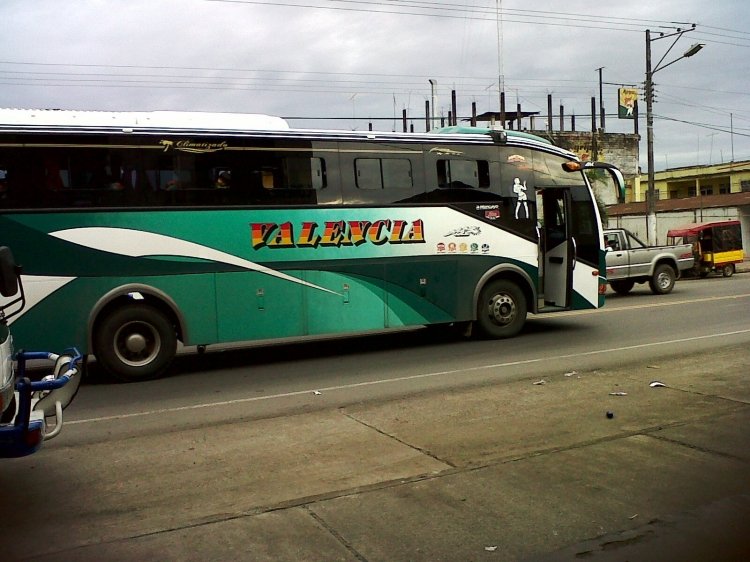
{"type": "Point", "coordinates": [442, 173]}
{"type": "Point", "coordinates": [463, 173]}
{"type": "Point", "coordinates": [367, 173]}
{"type": "Point", "coordinates": [483, 173]}
{"type": "Point", "coordinates": [304, 173]}
{"type": "Point", "coordinates": [396, 173]}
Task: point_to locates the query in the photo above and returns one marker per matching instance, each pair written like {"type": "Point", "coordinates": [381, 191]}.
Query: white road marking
{"type": "Point", "coordinates": [640, 306]}
{"type": "Point", "coordinates": [400, 379]}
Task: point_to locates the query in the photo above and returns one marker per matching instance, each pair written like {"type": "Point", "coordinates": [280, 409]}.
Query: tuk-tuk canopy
{"type": "Point", "coordinates": [696, 228]}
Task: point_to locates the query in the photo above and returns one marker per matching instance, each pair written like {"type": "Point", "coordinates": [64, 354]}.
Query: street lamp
{"type": "Point", "coordinates": [651, 193]}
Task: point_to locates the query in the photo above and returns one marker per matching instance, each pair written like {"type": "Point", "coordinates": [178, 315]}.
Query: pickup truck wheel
{"type": "Point", "coordinates": [622, 287]}
{"type": "Point", "coordinates": [135, 343]}
{"type": "Point", "coordinates": [501, 311]}
{"type": "Point", "coordinates": [663, 280]}
{"type": "Point", "coordinates": [728, 270]}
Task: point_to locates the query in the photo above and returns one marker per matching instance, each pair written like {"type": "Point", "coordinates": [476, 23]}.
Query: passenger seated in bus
{"type": "Point", "coordinates": [224, 180]}
{"type": "Point", "coordinates": [267, 179]}
{"type": "Point", "coordinates": [52, 175]}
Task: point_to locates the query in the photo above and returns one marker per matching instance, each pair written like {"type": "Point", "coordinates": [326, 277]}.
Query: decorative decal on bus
{"type": "Point", "coordinates": [336, 233]}
{"type": "Point", "coordinates": [137, 243]}
{"type": "Point", "coordinates": [441, 151]}
{"type": "Point", "coordinates": [464, 231]}
{"type": "Point", "coordinates": [192, 146]}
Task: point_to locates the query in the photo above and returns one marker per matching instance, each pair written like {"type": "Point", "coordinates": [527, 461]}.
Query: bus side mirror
{"type": "Point", "coordinates": [616, 175]}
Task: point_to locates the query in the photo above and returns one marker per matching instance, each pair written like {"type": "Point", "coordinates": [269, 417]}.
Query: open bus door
{"type": "Point", "coordinates": [557, 244]}
{"type": "Point", "coordinates": [557, 251]}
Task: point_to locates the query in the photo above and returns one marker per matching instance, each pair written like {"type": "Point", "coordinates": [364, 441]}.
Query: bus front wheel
{"type": "Point", "coordinates": [502, 309]}
{"type": "Point", "coordinates": [135, 342]}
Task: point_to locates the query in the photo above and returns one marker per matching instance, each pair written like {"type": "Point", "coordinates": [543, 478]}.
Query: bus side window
{"type": "Point", "coordinates": [464, 174]}
{"type": "Point", "coordinates": [483, 173]}
{"type": "Point", "coordinates": [442, 173]}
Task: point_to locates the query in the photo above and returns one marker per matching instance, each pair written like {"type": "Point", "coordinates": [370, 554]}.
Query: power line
{"type": "Point", "coordinates": [560, 20]}
{"type": "Point", "coordinates": [539, 17]}
{"type": "Point", "coordinates": [706, 126]}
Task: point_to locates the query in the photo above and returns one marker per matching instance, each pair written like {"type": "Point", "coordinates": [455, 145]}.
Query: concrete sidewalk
{"type": "Point", "coordinates": [527, 470]}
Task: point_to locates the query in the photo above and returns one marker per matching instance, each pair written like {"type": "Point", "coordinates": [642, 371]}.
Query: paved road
{"type": "Point", "coordinates": [277, 380]}
{"type": "Point", "coordinates": [425, 450]}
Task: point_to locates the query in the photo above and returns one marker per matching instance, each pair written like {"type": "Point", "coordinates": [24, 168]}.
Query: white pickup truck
{"type": "Point", "coordinates": [630, 261]}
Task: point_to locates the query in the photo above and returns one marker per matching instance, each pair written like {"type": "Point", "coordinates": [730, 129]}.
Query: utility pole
{"type": "Point", "coordinates": [433, 84]}
{"type": "Point", "coordinates": [500, 73]}
{"type": "Point", "coordinates": [601, 99]}
{"type": "Point", "coordinates": [649, 87]}
{"type": "Point", "coordinates": [651, 192]}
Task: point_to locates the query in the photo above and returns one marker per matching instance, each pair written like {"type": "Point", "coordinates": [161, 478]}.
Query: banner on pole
{"type": "Point", "coordinates": [627, 99]}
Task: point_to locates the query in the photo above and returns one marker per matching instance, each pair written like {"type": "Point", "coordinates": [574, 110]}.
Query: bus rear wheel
{"type": "Point", "coordinates": [728, 270]}
{"type": "Point", "coordinates": [135, 343]}
{"type": "Point", "coordinates": [502, 308]}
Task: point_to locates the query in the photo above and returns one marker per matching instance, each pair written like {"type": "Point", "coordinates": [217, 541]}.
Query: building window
{"type": "Point", "coordinates": [691, 192]}
{"type": "Point", "coordinates": [707, 190]}
{"type": "Point", "coordinates": [673, 194]}
{"type": "Point", "coordinates": [724, 188]}
{"type": "Point", "coordinates": [745, 185]}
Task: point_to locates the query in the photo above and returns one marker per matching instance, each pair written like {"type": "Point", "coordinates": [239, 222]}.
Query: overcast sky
{"type": "Point", "coordinates": [351, 62]}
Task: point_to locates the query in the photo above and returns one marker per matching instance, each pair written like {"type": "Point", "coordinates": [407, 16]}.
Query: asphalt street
{"type": "Point", "coordinates": [644, 459]}
{"type": "Point", "coordinates": [514, 471]}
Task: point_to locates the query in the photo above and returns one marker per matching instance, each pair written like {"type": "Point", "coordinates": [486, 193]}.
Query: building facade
{"type": "Point", "coordinates": [694, 181]}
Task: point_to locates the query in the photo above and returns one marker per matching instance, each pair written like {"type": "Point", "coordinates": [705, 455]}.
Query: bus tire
{"type": "Point", "coordinates": [728, 270]}
{"type": "Point", "coordinates": [135, 342]}
{"type": "Point", "coordinates": [501, 310]}
{"type": "Point", "coordinates": [662, 281]}
{"type": "Point", "coordinates": [622, 287]}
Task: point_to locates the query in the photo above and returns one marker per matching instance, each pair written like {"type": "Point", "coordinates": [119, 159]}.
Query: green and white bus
{"type": "Point", "coordinates": [139, 230]}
